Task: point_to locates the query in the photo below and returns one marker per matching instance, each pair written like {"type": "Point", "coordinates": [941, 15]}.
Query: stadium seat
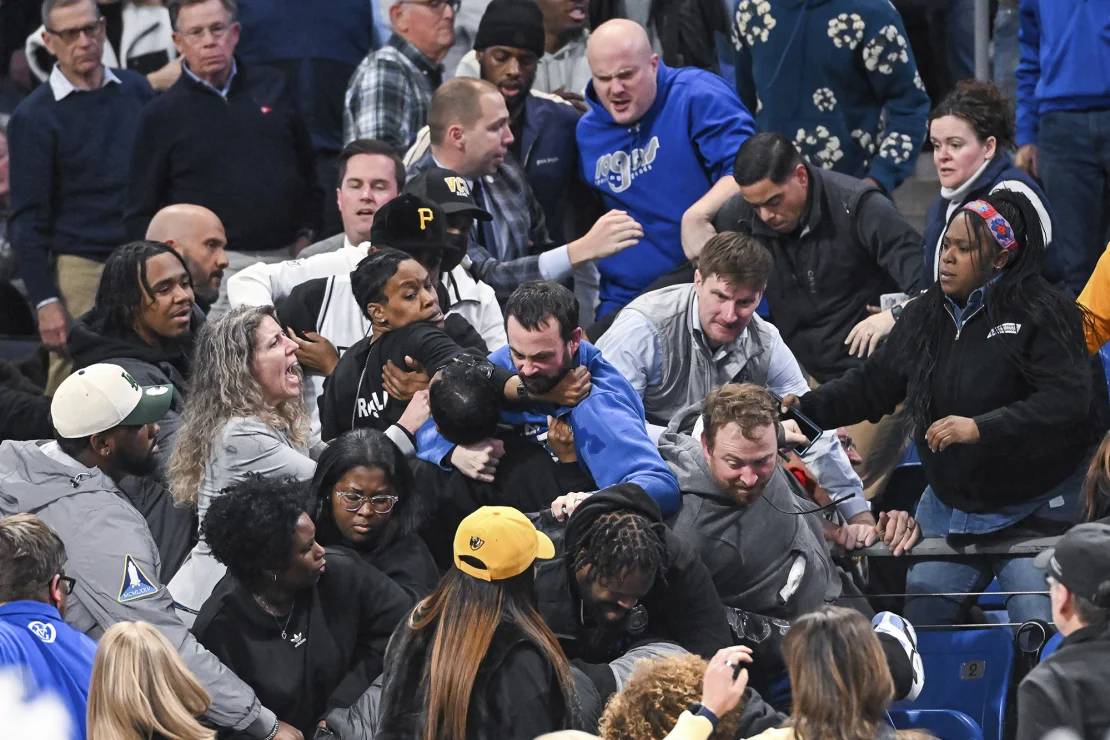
{"type": "Point", "coordinates": [1104, 356]}
{"type": "Point", "coordinates": [1050, 646]}
{"type": "Point", "coordinates": [944, 724]}
{"type": "Point", "coordinates": [967, 671]}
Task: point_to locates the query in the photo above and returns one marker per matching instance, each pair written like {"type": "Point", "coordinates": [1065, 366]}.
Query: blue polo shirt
{"type": "Point", "coordinates": [54, 657]}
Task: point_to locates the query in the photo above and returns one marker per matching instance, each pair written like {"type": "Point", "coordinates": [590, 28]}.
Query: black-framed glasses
{"type": "Point", "coordinates": [69, 582]}
{"type": "Point", "coordinates": [436, 6]}
{"type": "Point", "coordinates": [379, 504]}
{"type": "Point", "coordinates": [70, 35]}
{"type": "Point", "coordinates": [484, 366]}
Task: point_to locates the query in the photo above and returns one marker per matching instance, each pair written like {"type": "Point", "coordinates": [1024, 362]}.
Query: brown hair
{"type": "Point", "coordinates": [749, 406]}
{"type": "Point", "coordinates": [32, 554]}
{"type": "Point", "coordinates": [739, 259]}
{"type": "Point", "coordinates": [656, 694]}
{"type": "Point", "coordinates": [839, 676]}
{"type": "Point", "coordinates": [464, 613]}
{"type": "Point", "coordinates": [456, 101]}
{"type": "Point", "coordinates": [1096, 487]}
{"type": "Point", "coordinates": [140, 686]}
{"type": "Point", "coordinates": [981, 106]}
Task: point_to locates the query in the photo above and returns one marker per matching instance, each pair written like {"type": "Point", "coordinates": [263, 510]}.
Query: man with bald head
{"type": "Point", "coordinates": [469, 132]}
{"type": "Point", "coordinates": [657, 143]}
{"type": "Point", "coordinates": [197, 234]}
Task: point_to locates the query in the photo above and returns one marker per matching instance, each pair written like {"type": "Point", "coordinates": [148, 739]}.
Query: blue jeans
{"type": "Point", "coordinates": [959, 36]}
{"type": "Point", "coordinates": [972, 574]}
{"type": "Point", "coordinates": [1006, 50]}
{"type": "Point", "coordinates": [1074, 160]}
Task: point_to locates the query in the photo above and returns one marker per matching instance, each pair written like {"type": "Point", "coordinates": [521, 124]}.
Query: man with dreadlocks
{"type": "Point", "coordinates": [992, 365]}
{"type": "Point", "coordinates": [144, 320]}
{"type": "Point", "coordinates": [623, 587]}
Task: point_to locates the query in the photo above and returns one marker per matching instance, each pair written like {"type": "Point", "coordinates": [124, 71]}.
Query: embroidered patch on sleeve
{"type": "Point", "coordinates": [135, 585]}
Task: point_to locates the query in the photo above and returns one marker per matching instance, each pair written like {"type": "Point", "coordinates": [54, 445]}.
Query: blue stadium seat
{"type": "Point", "coordinates": [990, 598]}
{"type": "Point", "coordinates": [1104, 356]}
{"type": "Point", "coordinates": [762, 309]}
{"type": "Point", "coordinates": [944, 724]}
{"type": "Point", "coordinates": [967, 671]}
{"type": "Point", "coordinates": [1050, 646]}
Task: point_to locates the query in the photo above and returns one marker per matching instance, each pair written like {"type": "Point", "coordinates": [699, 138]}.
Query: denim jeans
{"type": "Point", "coordinates": [1074, 160]}
{"type": "Point", "coordinates": [959, 35]}
{"type": "Point", "coordinates": [972, 574]}
{"type": "Point", "coordinates": [1007, 52]}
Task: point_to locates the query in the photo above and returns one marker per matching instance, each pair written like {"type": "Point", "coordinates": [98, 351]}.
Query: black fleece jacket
{"type": "Point", "coordinates": [1033, 431]}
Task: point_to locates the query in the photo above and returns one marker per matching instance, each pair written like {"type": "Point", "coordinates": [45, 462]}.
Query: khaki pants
{"type": "Point", "coordinates": [78, 278]}
{"type": "Point", "coordinates": [881, 446]}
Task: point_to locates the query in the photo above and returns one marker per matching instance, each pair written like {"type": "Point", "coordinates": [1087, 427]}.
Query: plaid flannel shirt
{"type": "Point", "coordinates": [389, 94]}
{"type": "Point", "coordinates": [516, 236]}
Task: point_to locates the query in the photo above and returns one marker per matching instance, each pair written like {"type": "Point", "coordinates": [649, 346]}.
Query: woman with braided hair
{"type": "Point", "coordinates": [992, 365]}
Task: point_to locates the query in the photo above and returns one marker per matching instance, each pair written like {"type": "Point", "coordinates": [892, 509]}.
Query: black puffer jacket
{"type": "Point", "coordinates": [682, 607]}
{"type": "Point", "coordinates": [516, 695]}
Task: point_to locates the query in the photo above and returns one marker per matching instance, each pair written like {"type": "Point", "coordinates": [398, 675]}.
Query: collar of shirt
{"type": "Point", "coordinates": [32, 608]}
{"type": "Point", "coordinates": [433, 71]}
{"type": "Point", "coordinates": [975, 301]}
{"type": "Point", "coordinates": [725, 349]}
{"type": "Point", "coordinates": [62, 87]}
{"type": "Point", "coordinates": [442, 166]}
{"type": "Point", "coordinates": [221, 92]}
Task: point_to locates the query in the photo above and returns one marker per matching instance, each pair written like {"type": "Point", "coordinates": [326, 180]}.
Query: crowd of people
{"type": "Point", "coordinates": [570, 412]}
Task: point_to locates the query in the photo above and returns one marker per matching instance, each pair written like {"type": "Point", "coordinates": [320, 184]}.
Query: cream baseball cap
{"type": "Point", "coordinates": [102, 396]}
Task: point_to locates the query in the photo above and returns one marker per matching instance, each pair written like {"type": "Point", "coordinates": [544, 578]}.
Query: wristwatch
{"type": "Point", "coordinates": [699, 710]}
{"type": "Point", "coordinates": [896, 311]}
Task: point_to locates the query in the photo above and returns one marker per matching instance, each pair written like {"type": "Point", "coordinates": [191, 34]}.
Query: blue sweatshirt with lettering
{"type": "Point", "coordinates": [610, 432]}
{"type": "Point", "coordinates": [658, 167]}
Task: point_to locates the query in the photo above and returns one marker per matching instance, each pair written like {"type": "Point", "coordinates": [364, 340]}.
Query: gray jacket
{"type": "Point", "coordinates": [753, 552]}
{"type": "Point", "coordinates": [115, 562]}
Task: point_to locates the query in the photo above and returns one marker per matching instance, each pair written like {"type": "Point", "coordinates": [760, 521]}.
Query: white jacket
{"type": "Point", "coordinates": [146, 30]}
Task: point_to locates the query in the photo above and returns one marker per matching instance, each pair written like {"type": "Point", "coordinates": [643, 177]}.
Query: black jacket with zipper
{"type": "Point", "coordinates": [852, 246]}
{"type": "Point", "coordinates": [1068, 689]}
{"type": "Point", "coordinates": [1033, 431]}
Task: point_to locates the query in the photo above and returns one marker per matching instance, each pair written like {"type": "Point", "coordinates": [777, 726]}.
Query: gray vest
{"type": "Point", "coordinates": [689, 371]}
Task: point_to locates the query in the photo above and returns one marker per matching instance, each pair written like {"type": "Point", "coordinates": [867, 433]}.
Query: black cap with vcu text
{"type": "Point", "coordinates": [449, 190]}
{"type": "Point", "coordinates": [1081, 562]}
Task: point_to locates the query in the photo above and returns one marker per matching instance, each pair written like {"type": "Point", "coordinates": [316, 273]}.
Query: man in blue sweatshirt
{"type": "Point", "coordinates": [610, 436]}
{"type": "Point", "coordinates": [52, 656]}
{"type": "Point", "coordinates": [1063, 122]}
{"type": "Point", "coordinates": [658, 143]}
{"type": "Point", "coordinates": [70, 142]}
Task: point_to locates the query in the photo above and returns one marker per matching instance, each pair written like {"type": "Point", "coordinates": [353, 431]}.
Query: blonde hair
{"type": "Point", "coordinates": [655, 696]}
{"type": "Point", "coordinates": [140, 686]}
{"type": "Point", "coordinates": [222, 388]}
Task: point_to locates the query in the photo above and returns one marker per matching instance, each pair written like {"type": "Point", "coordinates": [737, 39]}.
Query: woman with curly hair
{"type": "Point", "coordinates": [840, 681]}
{"type": "Point", "coordinates": [475, 661]}
{"type": "Point", "coordinates": [308, 639]}
{"type": "Point", "coordinates": [992, 364]}
{"type": "Point", "coordinates": [140, 689]}
{"type": "Point", "coordinates": [245, 413]}
{"type": "Point", "coordinates": [366, 500]}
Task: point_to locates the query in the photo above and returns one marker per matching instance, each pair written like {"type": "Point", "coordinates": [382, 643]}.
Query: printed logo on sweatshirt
{"type": "Point", "coordinates": [372, 407]}
{"type": "Point", "coordinates": [298, 639]}
{"type": "Point", "coordinates": [1008, 328]}
{"type": "Point", "coordinates": [43, 631]}
{"type": "Point", "coordinates": [619, 169]}
{"type": "Point", "coordinates": [135, 584]}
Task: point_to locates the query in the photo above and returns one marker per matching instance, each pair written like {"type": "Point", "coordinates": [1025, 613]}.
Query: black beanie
{"type": "Point", "coordinates": [514, 23]}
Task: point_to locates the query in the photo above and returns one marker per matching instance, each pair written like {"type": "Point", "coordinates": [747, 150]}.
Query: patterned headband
{"type": "Point", "coordinates": [999, 227]}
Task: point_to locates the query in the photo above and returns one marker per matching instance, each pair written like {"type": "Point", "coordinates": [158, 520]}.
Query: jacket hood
{"type": "Point", "coordinates": [621, 497]}
{"type": "Point", "coordinates": [30, 480]}
{"type": "Point", "coordinates": [664, 78]}
{"type": "Point", "coordinates": [681, 450]}
{"type": "Point", "coordinates": [88, 347]}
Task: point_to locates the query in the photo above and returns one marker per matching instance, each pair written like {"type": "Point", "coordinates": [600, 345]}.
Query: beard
{"type": "Point", "coordinates": [202, 284]}
{"type": "Point", "coordinates": [137, 464]}
{"type": "Point", "coordinates": [537, 385]}
{"type": "Point", "coordinates": [739, 494]}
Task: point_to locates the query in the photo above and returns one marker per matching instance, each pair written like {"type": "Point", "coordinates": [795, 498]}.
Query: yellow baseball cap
{"type": "Point", "coordinates": [499, 542]}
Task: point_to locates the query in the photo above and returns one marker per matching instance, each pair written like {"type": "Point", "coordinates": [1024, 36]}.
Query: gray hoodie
{"type": "Point", "coordinates": [761, 560]}
{"type": "Point", "coordinates": [113, 557]}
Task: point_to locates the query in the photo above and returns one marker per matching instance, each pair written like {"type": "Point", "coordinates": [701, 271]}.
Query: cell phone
{"type": "Point", "coordinates": [808, 426]}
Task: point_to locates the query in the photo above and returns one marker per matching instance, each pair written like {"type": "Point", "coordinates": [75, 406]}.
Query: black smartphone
{"type": "Point", "coordinates": [807, 425]}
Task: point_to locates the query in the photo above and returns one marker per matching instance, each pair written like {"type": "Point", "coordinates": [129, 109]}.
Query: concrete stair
{"type": "Point", "coordinates": [915, 194]}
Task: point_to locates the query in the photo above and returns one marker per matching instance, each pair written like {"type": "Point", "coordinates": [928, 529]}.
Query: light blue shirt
{"type": "Point", "coordinates": [62, 87]}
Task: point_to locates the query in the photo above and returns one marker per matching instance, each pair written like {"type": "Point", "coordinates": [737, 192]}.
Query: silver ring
{"type": "Point", "coordinates": [730, 664]}
{"type": "Point", "coordinates": [564, 509]}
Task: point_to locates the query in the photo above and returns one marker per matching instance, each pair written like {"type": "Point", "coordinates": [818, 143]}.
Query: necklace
{"type": "Point", "coordinates": [266, 608]}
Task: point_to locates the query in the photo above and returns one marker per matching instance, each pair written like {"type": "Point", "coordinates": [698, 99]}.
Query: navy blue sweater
{"type": "Point", "coordinates": [69, 161]}
{"type": "Point", "coordinates": [1065, 58]}
{"type": "Point", "coordinates": [248, 158]}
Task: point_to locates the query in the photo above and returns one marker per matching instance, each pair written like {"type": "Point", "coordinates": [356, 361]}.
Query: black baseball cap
{"type": "Point", "coordinates": [1081, 562]}
{"type": "Point", "coordinates": [411, 224]}
{"type": "Point", "coordinates": [448, 189]}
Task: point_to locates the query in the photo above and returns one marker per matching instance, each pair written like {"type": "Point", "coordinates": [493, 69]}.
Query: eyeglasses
{"type": "Point", "coordinates": [485, 367]}
{"type": "Point", "coordinates": [64, 579]}
{"type": "Point", "coordinates": [218, 31]}
{"type": "Point", "coordinates": [70, 35]}
{"type": "Point", "coordinates": [352, 502]}
{"type": "Point", "coordinates": [436, 6]}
